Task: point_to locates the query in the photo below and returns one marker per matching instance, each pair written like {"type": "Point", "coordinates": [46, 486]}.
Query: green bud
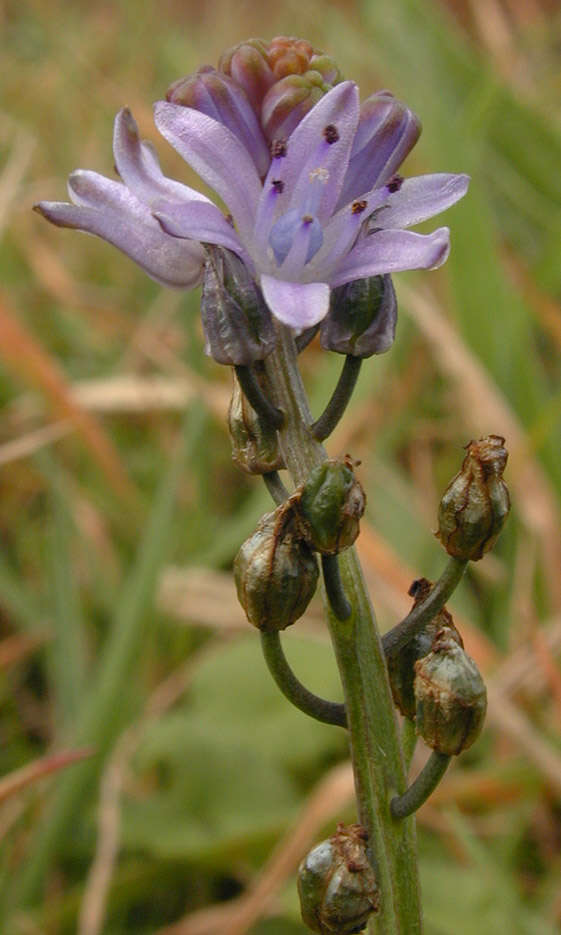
{"type": "Point", "coordinates": [330, 505]}
{"type": "Point", "coordinates": [288, 101]}
{"type": "Point", "coordinates": [451, 698]}
{"type": "Point", "coordinates": [362, 316]}
{"type": "Point", "coordinates": [337, 885]}
{"type": "Point", "coordinates": [474, 508]}
{"type": "Point", "coordinates": [255, 446]}
{"type": "Point", "coordinates": [276, 573]}
{"type": "Point", "coordinates": [401, 665]}
{"type": "Point", "coordinates": [237, 323]}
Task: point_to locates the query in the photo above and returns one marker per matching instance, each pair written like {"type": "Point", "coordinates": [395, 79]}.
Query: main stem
{"type": "Point", "coordinates": [375, 747]}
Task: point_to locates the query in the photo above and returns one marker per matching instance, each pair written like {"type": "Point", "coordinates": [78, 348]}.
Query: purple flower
{"type": "Point", "coordinates": [329, 209]}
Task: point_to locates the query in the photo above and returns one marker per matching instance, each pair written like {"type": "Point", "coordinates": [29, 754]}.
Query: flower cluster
{"type": "Point", "coordinates": [307, 175]}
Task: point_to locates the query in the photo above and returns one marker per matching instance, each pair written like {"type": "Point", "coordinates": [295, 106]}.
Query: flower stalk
{"type": "Point", "coordinates": [370, 714]}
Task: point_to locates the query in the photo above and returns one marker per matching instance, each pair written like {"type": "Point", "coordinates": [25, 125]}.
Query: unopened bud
{"type": "Point", "coordinates": [255, 446]}
{"type": "Point", "coordinates": [474, 508]}
{"type": "Point", "coordinates": [218, 96]}
{"type": "Point", "coordinates": [247, 63]}
{"type": "Point", "coordinates": [288, 101]}
{"type": "Point", "coordinates": [401, 665]}
{"type": "Point", "coordinates": [276, 573]}
{"type": "Point", "coordinates": [362, 317]}
{"type": "Point", "coordinates": [337, 885]}
{"type": "Point", "coordinates": [451, 699]}
{"type": "Point", "coordinates": [330, 505]}
{"type": "Point", "coordinates": [237, 323]}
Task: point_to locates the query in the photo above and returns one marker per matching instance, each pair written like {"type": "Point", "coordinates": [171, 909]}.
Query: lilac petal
{"type": "Point", "coordinates": [420, 198]}
{"type": "Point", "coordinates": [343, 230]}
{"type": "Point", "coordinates": [312, 167]}
{"type": "Point", "coordinates": [389, 144]}
{"type": "Point", "coordinates": [201, 221]}
{"type": "Point", "coordinates": [286, 238]}
{"type": "Point", "coordinates": [299, 305]}
{"type": "Point", "coordinates": [138, 166]}
{"type": "Point", "coordinates": [217, 156]}
{"type": "Point", "coordinates": [389, 251]}
{"type": "Point", "coordinates": [176, 263]}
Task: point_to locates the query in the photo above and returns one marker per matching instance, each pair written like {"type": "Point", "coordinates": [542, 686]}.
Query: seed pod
{"type": "Point", "coordinates": [237, 323]}
{"type": "Point", "coordinates": [401, 665]}
{"type": "Point", "coordinates": [255, 446]}
{"type": "Point", "coordinates": [276, 573]}
{"type": "Point", "coordinates": [362, 316]}
{"type": "Point", "coordinates": [475, 506]}
{"type": "Point", "coordinates": [451, 697]}
{"type": "Point", "coordinates": [330, 505]}
{"type": "Point", "coordinates": [337, 885]}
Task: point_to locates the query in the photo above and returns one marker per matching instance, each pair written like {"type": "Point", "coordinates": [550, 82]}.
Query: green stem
{"type": "Point", "coordinates": [330, 712]}
{"type": "Point", "coordinates": [424, 785]}
{"type": "Point", "coordinates": [340, 398]}
{"type": "Point", "coordinates": [374, 738]}
{"type": "Point", "coordinates": [256, 398]}
{"type": "Point", "coordinates": [334, 587]}
{"type": "Point", "coordinates": [408, 741]}
{"type": "Point", "coordinates": [276, 488]}
{"type": "Point", "coordinates": [423, 613]}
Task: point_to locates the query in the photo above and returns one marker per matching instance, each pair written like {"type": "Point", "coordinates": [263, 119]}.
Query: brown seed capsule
{"type": "Point", "coordinates": [337, 885]}
{"type": "Point", "coordinates": [276, 573]}
{"type": "Point", "coordinates": [255, 445]}
{"type": "Point", "coordinates": [475, 506]}
{"type": "Point", "coordinates": [451, 698]}
{"type": "Point", "coordinates": [330, 505]}
{"type": "Point", "coordinates": [401, 665]}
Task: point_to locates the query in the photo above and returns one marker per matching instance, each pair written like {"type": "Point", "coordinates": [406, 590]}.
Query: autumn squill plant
{"type": "Point", "coordinates": [317, 218]}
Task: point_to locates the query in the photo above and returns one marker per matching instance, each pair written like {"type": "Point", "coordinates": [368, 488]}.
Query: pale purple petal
{"type": "Point", "coordinates": [201, 221]}
{"type": "Point", "coordinates": [420, 198]}
{"type": "Point", "coordinates": [137, 164]}
{"type": "Point", "coordinates": [389, 251]}
{"type": "Point", "coordinates": [217, 156]}
{"type": "Point", "coordinates": [342, 231]}
{"type": "Point", "coordinates": [132, 229]}
{"type": "Point", "coordinates": [299, 305]}
{"type": "Point", "coordinates": [389, 143]}
{"type": "Point", "coordinates": [313, 168]}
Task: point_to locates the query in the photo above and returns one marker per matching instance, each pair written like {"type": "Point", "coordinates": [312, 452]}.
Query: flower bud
{"type": "Point", "coordinates": [401, 665]}
{"type": "Point", "coordinates": [237, 323]}
{"type": "Point", "coordinates": [275, 572]}
{"type": "Point", "coordinates": [475, 506]}
{"type": "Point", "coordinates": [330, 505]}
{"type": "Point", "coordinates": [337, 885]}
{"type": "Point", "coordinates": [362, 317]}
{"type": "Point", "coordinates": [247, 63]}
{"type": "Point", "coordinates": [255, 446]}
{"type": "Point", "coordinates": [451, 699]}
{"type": "Point", "coordinates": [218, 96]}
{"type": "Point", "coordinates": [288, 101]}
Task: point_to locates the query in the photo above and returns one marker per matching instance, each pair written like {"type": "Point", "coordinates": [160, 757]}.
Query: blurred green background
{"type": "Point", "coordinates": [121, 511]}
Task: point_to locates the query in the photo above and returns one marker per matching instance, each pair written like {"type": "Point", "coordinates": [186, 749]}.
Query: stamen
{"type": "Point", "coordinates": [395, 183]}
{"type": "Point", "coordinates": [278, 186]}
{"type": "Point", "coordinates": [229, 219]}
{"type": "Point", "coordinates": [320, 174]}
{"type": "Point", "coordinates": [358, 207]}
{"type": "Point", "coordinates": [278, 149]}
{"type": "Point", "coordinates": [331, 134]}
{"type": "Point", "coordinates": [307, 219]}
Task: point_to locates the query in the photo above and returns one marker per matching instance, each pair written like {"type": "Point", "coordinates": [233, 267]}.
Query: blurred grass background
{"type": "Point", "coordinates": [121, 511]}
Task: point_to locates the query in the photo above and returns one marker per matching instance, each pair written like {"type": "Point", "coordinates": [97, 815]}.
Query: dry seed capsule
{"type": "Point", "coordinates": [337, 885]}
{"type": "Point", "coordinates": [401, 665]}
{"type": "Point", "coordinates": [451, 697]}
{"type": "Point", "coordinates": [255, 446]}
{"type": "Point", "coordinates": [330, 505]}
{"type": "Point", "coordinates": [475, 506]}
{"type": "Point", "coordinates": [276, 573]}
